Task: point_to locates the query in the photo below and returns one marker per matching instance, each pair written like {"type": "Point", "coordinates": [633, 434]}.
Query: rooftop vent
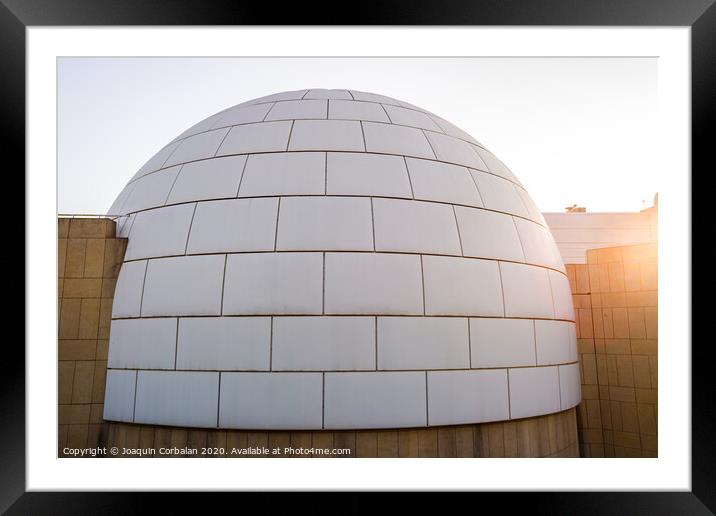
{"type": "Point", "coordinates": [575, 209]}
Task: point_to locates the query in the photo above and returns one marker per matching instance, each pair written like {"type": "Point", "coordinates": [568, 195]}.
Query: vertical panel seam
{"type": "Point", "coordinates": [372, 221]}
{"type": "Point", "coordinates": [410, 181]}
{"type": "Point", "coordinates": [144, 283]}
{"type": "Point", "coordinates": [559, 384]}
{"type": "Point", "coordinates": [427, 409]}
{"type": "Point", "coordinates": [422, 279]}
{"type": "Point", "coordinates": [134, 405]}
{"type": "Point", "coordinates": [278, 217]}
{"type": "Point", "coordinates": [479, 194]}
{"type": "Point", "coordinates": [502, 288]}
{"type": "Point", "coordinates": [376, 341]}
{"type": "Point", "coordinates": [191, 223]}
{"type": "Point", "coordinates": [323, 286]}
{"type": "Point", "coordinates": [290, 133]}
{"type": "Point", "coordinates": [323, 400]}
{"type": "Point", "coordinates": [243, 171]}
{"type": "Point", "coordinates": [522, 201]}
{"type": "Point", "coordinates": [179, 144]}
{"type": "Point", "coordinates": [469, 343]}
{"type": "Point", "coordinates": [519, 239]}
{"type": "Point", "coordinates": [432, 149]}
{"type": "Point", "coordinates": [218, 401]}
{"type": "Point", "coordinates": [176, 177]}
{"type": "Point", "coordinates": [271, 344]}
{"type": "Point", "coordinates": [386, 112]}
{"type": "Point", "coordinates": [223, 284]}
{"type": "Point", "coordinates": [509, 397]}
{"type": "Point", "coordinates": [457, 226]}
{"type": "Point", "coordinates": [551, 293]}
{"type": "Point", "coordinates": [273, 105]}
{"type": "Point", "coordinates": [228, 130]}
{"type": "Point", "coordinates": [176, 344]}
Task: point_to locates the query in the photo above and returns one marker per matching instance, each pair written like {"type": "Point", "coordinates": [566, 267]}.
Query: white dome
{"type": "Point", "coordinates": [335, 259]}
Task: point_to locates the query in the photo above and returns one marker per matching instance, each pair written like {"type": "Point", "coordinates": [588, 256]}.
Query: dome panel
{"type": "Point", "coordinates": [353, 110]}
{"type": "Point", "coordinates": [259, 137]}
{"type": "Point", "coordinates": [298, 110]}
{"type": "Point", "coordinates": [502, 342]}
{"type": "Point", "coordinates": [208, 179]}
{"type": "Point", "coordinates": [410, 117]}
{"type": "Point", "coordinates": [323, 135]}
{"type": "Point", "coordinates": [214, 226]}
{"type": "Point", "coordinates": [534, 391]}
{"type": "Point", "coordinates": [150, 191]}
{"type": "Point", "coordinates": [443, 182]}
{"type": "Point", "coordinates": [397, 140]}
{"type": "Point", "coordinates": [224, 343]}
{"type": "Point", "coordinates": [409, 343]}
{"type": "Point", "coordinates": [199, 146]}
{"type": "Point", "coordinates": [488, 234]}
{"type": "Point", "coordinates": [358, 173]}
{"type": "Point", "coordinates": [328, 343]}
{"type": "Point", "coordinates": [276, 400]}
{"type": "Point", "coordinates": [242, 115]}
{"type": "Point", "coordinates": [451, 398]}
{"type": "Point", "coordinates": [414, 227]}
{"type": "Point", "coordinates": [328, 94]}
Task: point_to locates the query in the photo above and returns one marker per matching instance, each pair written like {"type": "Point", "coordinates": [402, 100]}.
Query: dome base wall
{"type": "Point", "coordinates": [552, 435]}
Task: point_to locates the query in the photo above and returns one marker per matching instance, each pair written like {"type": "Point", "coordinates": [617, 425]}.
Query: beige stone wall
{"type": "Point", "coordinates": [554, 435]}
{"type": "Point", "coordinates": [89, 257]}
{"type": "Point", "coordinates": [616, 303]}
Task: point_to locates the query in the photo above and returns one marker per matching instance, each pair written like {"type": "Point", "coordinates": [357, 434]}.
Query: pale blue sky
{"type": "Point", "coordinates": [574, 130]}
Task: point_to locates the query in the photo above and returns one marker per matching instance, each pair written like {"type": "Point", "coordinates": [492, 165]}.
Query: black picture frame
{"type": "Point", "coordinates": [700, 15]}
